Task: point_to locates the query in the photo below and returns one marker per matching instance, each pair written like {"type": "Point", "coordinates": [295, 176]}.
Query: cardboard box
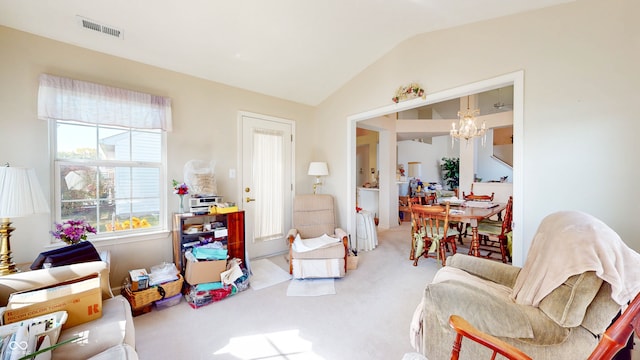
{"type": "Point", "coordinates": [81, 298]}
{"type": "Point", "coordinates": [204, 271]}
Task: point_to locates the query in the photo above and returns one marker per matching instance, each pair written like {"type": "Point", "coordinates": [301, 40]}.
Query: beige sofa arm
{"type": "Point", "coordinates": [484, 268]}
{"type": "Point", "coordinates": [44, 277]}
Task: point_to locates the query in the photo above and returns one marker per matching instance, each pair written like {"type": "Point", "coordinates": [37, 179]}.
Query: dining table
{"type": "Point", "coordinates": [472, 213]}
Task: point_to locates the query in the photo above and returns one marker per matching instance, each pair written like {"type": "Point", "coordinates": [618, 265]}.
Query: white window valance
{"type": "Point", "coordinates": [74, 100]}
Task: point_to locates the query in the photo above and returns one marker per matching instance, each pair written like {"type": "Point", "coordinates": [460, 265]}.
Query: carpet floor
{"type": "Point", "coordinates": [367, 318]}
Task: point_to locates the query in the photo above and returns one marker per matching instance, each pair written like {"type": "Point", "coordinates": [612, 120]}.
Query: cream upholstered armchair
{"type": "Point", "coordinates": [317, 248]}
{"type": "Point", "coordinates": [577, 276]}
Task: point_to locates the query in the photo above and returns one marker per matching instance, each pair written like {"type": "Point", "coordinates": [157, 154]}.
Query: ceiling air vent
{"type": "Point", "coordinates": [95, 26]}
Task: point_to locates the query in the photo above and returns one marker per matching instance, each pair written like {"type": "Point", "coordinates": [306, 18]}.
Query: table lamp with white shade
{"type": "Point", "coordinates": [20, 195]}
{"type": "Point", "coordinates": [318, 169]}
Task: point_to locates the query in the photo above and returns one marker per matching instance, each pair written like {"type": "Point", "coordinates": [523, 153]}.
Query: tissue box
{"type": "Point", "coordinates": [139, 279]}
{"type": "Point", "coordinates": [204, 271]}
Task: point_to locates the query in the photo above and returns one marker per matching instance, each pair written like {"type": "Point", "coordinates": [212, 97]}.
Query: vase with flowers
{"type": "Point", "coordinates": [181, 189]}
{"type": "Point", "coordinates": [73, 231]}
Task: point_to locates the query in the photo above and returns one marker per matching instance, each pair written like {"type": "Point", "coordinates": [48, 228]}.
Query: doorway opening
{"type": "Point", "coordinates": [515, 79]}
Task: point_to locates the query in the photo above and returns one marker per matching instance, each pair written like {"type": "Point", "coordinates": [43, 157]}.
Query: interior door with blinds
{"type": "Point", "coordinates": [267, 178]}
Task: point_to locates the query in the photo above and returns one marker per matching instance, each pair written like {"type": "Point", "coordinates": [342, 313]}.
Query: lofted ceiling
{"type": "Point", "coordinates": [488, 102]}
{"type": "Point", "coordinates": [298, 50]}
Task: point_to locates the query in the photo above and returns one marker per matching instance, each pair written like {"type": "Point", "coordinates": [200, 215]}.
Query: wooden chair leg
{"type": "Point", "coordinates": [503, 249]}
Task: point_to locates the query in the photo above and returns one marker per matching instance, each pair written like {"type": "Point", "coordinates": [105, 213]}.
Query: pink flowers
{"type": "Point", "coordinates": [73, 231]}
{"type": "Point", "coordinates": [180, 189]}
{"type": "Point", "coordinates": [406, 92]}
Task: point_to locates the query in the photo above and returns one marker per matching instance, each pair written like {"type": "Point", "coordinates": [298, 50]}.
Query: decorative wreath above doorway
{"type": "Point", "coordinates": [407, 92]}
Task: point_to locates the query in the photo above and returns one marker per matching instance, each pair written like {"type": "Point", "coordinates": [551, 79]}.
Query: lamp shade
{"type": "Point", "coordinates": [415, 168]}
{"type": "Point", "coordinates": [318, 169]}
{"type": "Point", "coordinates": [20, 193]}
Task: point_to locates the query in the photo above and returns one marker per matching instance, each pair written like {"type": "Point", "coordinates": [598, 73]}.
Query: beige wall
{"type": "Point", "coordinates": [204, 122]}
{"type": "Point", "coordinates": [581, 77]}
{"type": "Point", "coordinates": [580, 63]}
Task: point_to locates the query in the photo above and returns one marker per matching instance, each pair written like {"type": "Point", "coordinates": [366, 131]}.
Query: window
{"type": "Point", "coordinates": [108, 149]}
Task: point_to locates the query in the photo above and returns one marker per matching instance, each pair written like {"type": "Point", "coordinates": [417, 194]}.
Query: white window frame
{"type": "Point", "coordinates": [114, 237]}
{"type": "Point", "coordinates": [92, 104]}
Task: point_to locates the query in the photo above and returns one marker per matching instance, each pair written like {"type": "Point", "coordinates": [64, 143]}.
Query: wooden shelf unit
{"type": "Point", "coordinates": [234, 223]}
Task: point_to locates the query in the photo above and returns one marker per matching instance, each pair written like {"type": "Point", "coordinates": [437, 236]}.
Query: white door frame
{"type": "Point", "coordinates": [239, 179]}
{"type": "Point", "coordinates": [517, 80]}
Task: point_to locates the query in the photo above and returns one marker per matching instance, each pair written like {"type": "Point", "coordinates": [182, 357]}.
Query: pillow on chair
{"type": "Point", "coordinates": [567, 305]}
{"type": "Point", "coordinates": [67, 255]}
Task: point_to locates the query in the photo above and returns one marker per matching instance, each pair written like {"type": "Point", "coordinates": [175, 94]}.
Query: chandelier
{"type": "Point", "coordinates": [467, 127]}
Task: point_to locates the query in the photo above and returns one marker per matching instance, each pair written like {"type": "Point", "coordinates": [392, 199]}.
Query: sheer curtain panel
{"type": "Point", "coordinates": [74, 100]}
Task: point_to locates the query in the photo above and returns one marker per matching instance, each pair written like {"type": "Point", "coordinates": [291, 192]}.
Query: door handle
{"type": "Point", "coordinates": [250, 199]}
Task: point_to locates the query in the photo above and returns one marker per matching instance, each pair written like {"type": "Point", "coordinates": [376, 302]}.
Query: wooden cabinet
{"type": "Point", "coordinates": [190, 230]}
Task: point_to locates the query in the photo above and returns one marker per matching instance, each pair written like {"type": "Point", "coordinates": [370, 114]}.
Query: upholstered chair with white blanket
{"type": "Point", "coordinates": [577, 276]}
{"type": "Point", "coordinates": [317, 248]}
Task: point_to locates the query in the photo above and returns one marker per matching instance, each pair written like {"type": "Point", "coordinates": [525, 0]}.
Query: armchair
{"type": "Point", "coordinates": [577, 276]}
{"type": "Point", "coordinates": [614, 339]}
{"type": "Point", "coordinates": [317, 248]}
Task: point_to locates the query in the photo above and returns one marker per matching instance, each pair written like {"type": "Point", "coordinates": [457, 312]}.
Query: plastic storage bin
{"type": "Point", "coordinates": [168, 302]}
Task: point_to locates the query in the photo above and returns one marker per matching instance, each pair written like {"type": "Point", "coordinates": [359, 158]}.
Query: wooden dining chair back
{"type": "Point", "coordinates": [613, 340]}
{"type": "Point", "coordinates": [431, 232]}
{"type": "Point", "coordinates": [430, 199]}
{"type": "Point", "coordinates": [495, 234]}
{"type": "Point", "coordinates": [477, 197]}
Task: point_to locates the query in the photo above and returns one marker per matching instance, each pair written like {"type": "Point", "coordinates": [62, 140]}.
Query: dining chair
{"type": "Point", "coordinates": [430, 199]}
{"type": "Point", "coordinates": [495, 234]}
{"type": "Point", "coordinates": [431, 232]}
{"type": "Point", "coordinates": [613, 340]}
{"type": "Point", "coordinates": [476, 197]}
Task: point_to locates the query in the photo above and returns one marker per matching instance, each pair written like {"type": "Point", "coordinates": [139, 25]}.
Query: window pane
{"type": "Point", "coordinates": [145, 182]}
{"type": "Point", "coordinates": [106, 215]}
{"type": "Point", "coordinates": [126, 197]}
{"type": "Point", "coordinates": [106, 182]}
{"type": "Point", "coordinates": [146, 213]}
{"type": "Point", "coordinates": [77, 182]}
{"type": "Point", "coordinates": [76, 210]}
{"type": "Point", "coordinates": [75, 141]}
{"type": "Point", "coordinates": [123, 211]}
{"type": "Point", "coordinates": [122, 183]}
{"type": "Point", "coordinates": [114, 144]}
{"type": "Point", "coordinates": [147, 146]}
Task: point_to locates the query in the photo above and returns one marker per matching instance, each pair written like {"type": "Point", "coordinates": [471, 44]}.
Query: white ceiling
{"type": "Point", "coordinates": [300, 50]}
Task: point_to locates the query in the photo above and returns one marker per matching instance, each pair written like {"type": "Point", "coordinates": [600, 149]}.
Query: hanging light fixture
{"type": "Point", "coordinates": [467, 127]}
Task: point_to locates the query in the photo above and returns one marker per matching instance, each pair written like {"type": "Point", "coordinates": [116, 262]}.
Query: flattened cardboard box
{"type": "Point", "coordinates": [204, 271]}
{"type": "Point", "coordinates": [81, 298]}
